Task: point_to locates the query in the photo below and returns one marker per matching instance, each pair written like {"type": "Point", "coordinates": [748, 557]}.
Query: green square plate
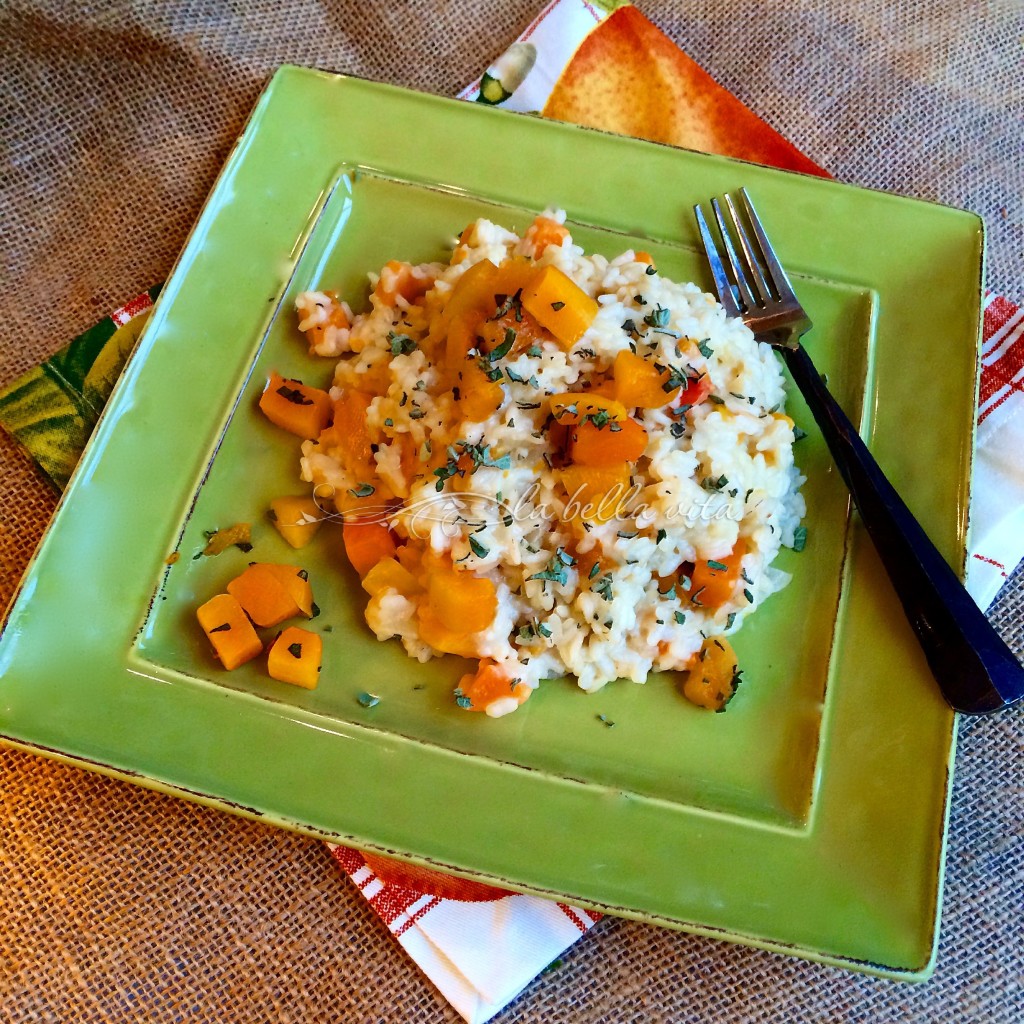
{"type": "Point", "coordinates": [809, 819]}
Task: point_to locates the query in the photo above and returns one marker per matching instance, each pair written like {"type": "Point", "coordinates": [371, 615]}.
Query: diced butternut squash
{"type": "Point", "coordinates": [560, 305]}
{"type": "Point", "coordinates": [239, 534]}
{"type": "Point", "coordinates": [390, 573]}
{"type": "Point", "coordinates": [479, 397]}
{"type": "Point", "coordinates": [294, 657]}
{"type": "Point", "coordinates": [597, 494]}
{"type": "Point", "coordinates": [297, 517]}
{"type": "Point", "coordinates": [410, 462]}
{"type": "Point", "coordinates": [352, 433]}
{"type": "Point", "coordinates": [442, 638]}
{"type": "Point", "coordinates": [266, 597]}
{"type": "Point", "coordinates": [401, 279]}
{"type": "Point", "coordinates": [712, 680]}
{"type": "Point", "coordinates": [296, 580]}
{"type": "Point", "coordinates": [514, 274]}
{"type": "Point", "coordinates": [462, 601]}
{"type": "Point", "coordinates": [295, 407]}
{"type": "Point", "coordinates": [462, 336]}
{"type": "Point", "coordinates": [367, 541]}
{"type": "Point", "coordinates": [576, 406]}
{"type": "Point", "coordinates": [229, 630]}
{"type": "Point", "coordinates": [585, 562]}
{"type": "Point", "coordinates": [714, 581]}
{"type": "Point", "coordinates": [640, 384]}
{"type": "Point", "coordinates": [544, 232]}
{"type": "Point", "coordinates": [610, 445]}
{"type": "Point", "coordinates": [473, 291]}
{"type": "Point", "coordinates": [490, 689]}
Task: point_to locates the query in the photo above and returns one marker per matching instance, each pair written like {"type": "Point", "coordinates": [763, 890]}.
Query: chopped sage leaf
{"type": "Point", "coordinates": [401, 344]}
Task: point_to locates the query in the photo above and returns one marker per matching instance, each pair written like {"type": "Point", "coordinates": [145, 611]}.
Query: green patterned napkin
{"type": "Point", "coordinates": [53, 408]}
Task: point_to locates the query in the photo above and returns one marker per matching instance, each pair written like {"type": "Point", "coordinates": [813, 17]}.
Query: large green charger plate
{"type": "Point", "coordinates": [809, 819]}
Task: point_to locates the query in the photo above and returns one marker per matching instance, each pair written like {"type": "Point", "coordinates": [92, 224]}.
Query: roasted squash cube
{"type": "Point", "coordinates": [711, 682]}
{"type": "Point", "coordinates": [295, 407]}
{"type": "Point", "coordinates": [294, 657]}
{"type": "Point", "coordinates": [266, 597]}
{"type": "Point", "coordinates": [297, 518]}
{"type": "Point", "coordinates": [229, 630]}
{"type": "Point", "coordinates": [560, 305]}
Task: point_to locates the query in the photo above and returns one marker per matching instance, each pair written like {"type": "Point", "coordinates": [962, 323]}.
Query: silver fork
{"type": "Point", "coordinates": [974, 668]}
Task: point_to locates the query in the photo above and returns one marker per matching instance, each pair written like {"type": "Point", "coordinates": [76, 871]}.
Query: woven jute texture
{"type": "Point", "coordinates": [117, 904]}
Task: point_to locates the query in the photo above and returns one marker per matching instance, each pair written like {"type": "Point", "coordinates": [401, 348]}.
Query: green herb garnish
{"type": "Point", "coordinates": [401, 344]}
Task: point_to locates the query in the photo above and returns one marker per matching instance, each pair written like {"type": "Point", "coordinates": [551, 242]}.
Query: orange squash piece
{"type": "Point", "coordinates": [295, 407]}
{"type": "Point", "coordinates": [297, 517]}
{"type": "Point", "coordinates": [596, 493]}
{"type": "Point", "coordinates": [366, 543]}
{"type": "Point", "coordinates": [294, 657]}
{"type": "Point", "coordinates": [640, 384]}
{"type": "Point", "coordinates": [462, 601]}
{"type": "Point", "coordinates": [711, 681]}
{"type": "Point", "coordinates": [544, 232]}
{"type": "Point", "coordinates": [473, 291]}
{"type": "Point", "coordinates": [221, 540]}
{"type": "Point", "coordinates": [479, 397]}
{"type": "Point", "coordinates": [490, 689]}
{"type": "Point", "coordinates": [393, 574]}
{"type": "Point", "coordinates": [397, 278]}
{"type": "Point", "coordinates": [514, 274]}
{"type": "Point", "coordinates": [462, 336]}
{"type": "Point", "coordinates": [610, 445]}
{"type": "Point", "coordinates": [351, 433]}
{"type": "Point", "coordinates": [711, 585]}
{"type": "Point", "coordinates": [266, 597]}
{"type": "Point", "coordinates": [586, 561]}
{"type": "Point", "coordinates": [560, 305]}
{"type": "Point", "coordinates": [296, 581]}
{"type": "Point", "coordinates": [229, 630]}
{"type": "Point", "coordinates": [439, 636]}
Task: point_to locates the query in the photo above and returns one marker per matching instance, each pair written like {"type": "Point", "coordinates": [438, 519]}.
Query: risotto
{"type": "Point", "coordinates": [553, 463]}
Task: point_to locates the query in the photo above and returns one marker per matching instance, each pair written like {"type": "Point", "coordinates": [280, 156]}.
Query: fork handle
{"type": "Point", "coordinates": [975, 669]}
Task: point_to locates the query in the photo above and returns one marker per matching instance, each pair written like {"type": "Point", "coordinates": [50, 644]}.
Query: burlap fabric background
{"type": "Point", "coordinates": [121, 905]}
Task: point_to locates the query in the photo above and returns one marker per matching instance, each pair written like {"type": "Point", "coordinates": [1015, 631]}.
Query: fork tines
{"type": "Point", "coordinates": [750, 289]}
